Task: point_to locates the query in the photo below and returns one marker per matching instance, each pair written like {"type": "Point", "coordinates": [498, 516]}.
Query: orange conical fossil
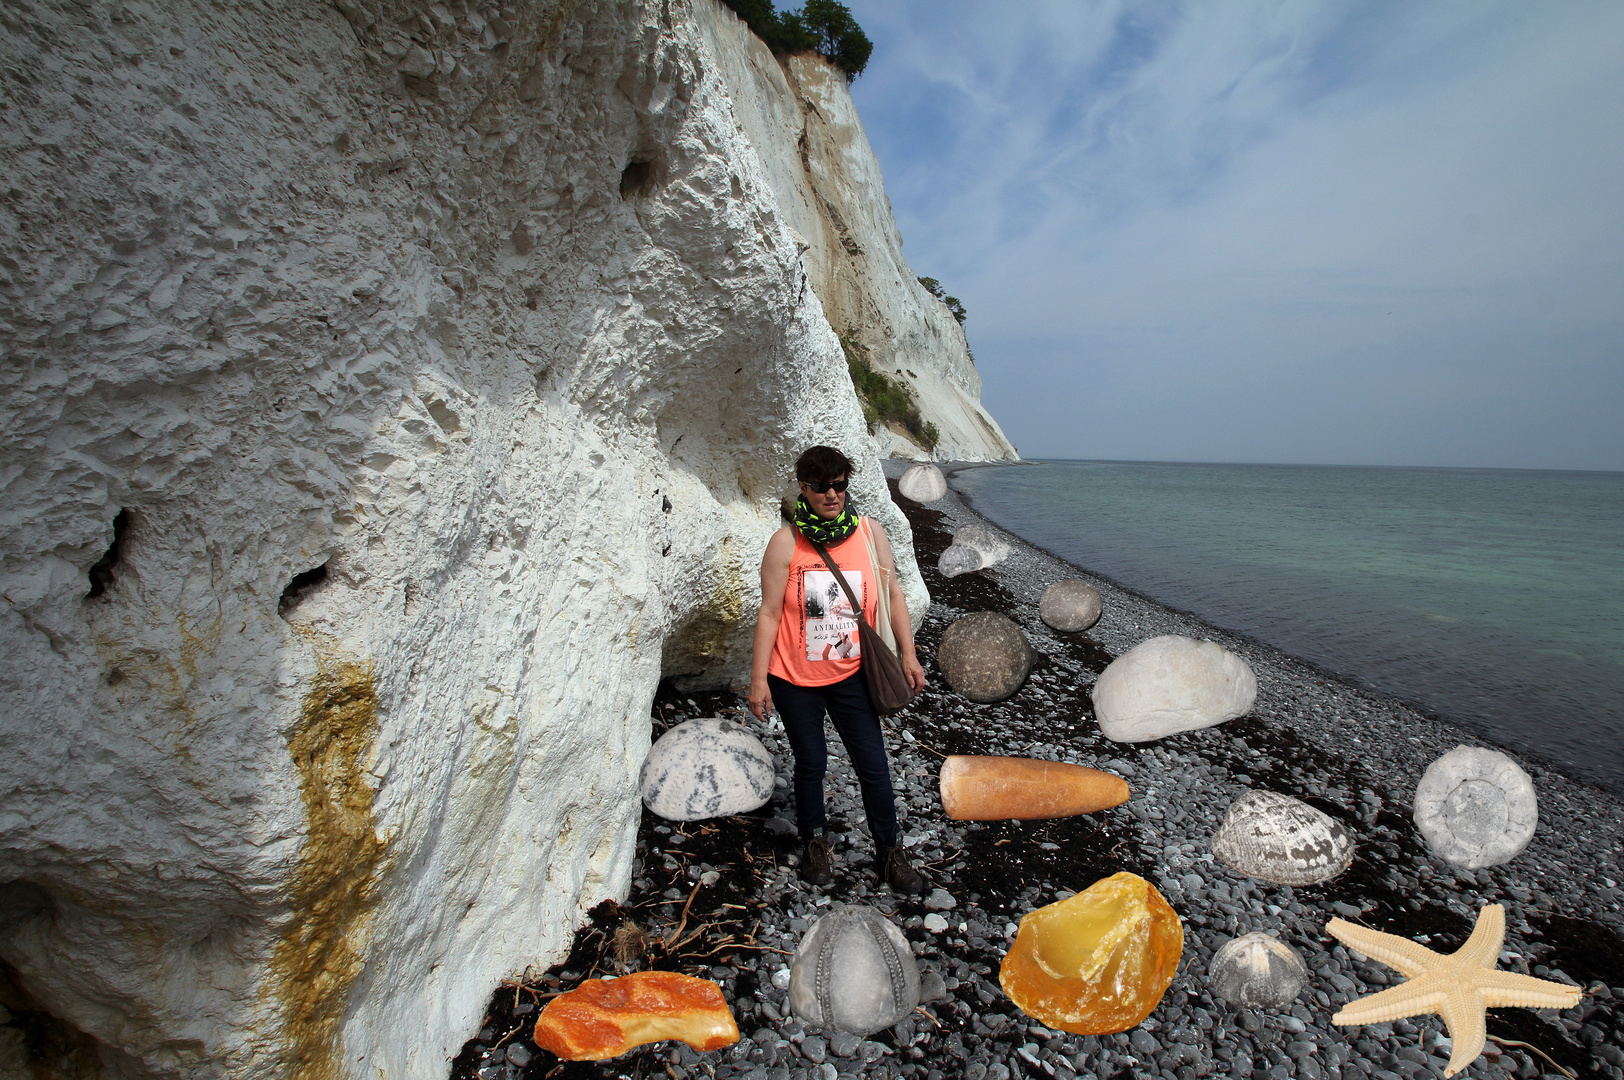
{"type": "Point", "coordinates": [989, 788]}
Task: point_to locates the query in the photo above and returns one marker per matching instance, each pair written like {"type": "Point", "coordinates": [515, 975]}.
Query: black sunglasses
{"type": "Point", "coordinates": [820, 487]}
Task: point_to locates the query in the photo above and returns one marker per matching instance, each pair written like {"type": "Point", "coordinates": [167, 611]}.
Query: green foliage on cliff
{"type": "Point", "coordinates": [824, 27]}
{"type": "Point", "coordinates": [885, 398]}
{"type": "Point", "coordinates": [953, 303]}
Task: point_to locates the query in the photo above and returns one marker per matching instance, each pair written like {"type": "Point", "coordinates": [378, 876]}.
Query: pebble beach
{"type": "Point", "coordinates": [722, 898]}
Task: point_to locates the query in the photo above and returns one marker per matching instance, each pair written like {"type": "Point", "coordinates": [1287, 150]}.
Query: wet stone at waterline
{"type": "Point", "coordinates": [1070, 606]}
{"type": "Point", "coordinates": [1476, 807]}
{"type": "Point", "coordinates": [706, 768]}
{"type": "Point", "coordinates": [1277, 838]}
{"type": "Point", "coordinates": [1171, 684]}
{"type": "Point", "coordinates": [853, 972]}
{"type": "Point", "coordinates": [959, 559]}
{"type": "Point", "coordinates": [923, 484]}
{"type": "Point", "coordinates": [1098, 962]}
{"type": "Point", "coordinates": [604, 1018]}
{"type": "Point", "coordinates": [985, 788]}
{"type": "Point", "coordinates": [984, 656]}
{"type": "Point", "coordinates": [1257, 971]}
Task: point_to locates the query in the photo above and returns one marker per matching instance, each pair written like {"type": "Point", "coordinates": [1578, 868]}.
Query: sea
{"type": "Point", "coordinates": [1491, 598]}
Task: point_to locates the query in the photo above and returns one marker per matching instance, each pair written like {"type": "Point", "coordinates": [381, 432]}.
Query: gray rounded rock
{"type": "Point", "coordinates": [1277, 838]}
{"type": "Point", "coordinates": [923, 484]}
{"type": "Point", "coordinates": [1070, 605]}
{"type": "Point", "coordinates": [1171, 684]}
{"type": "Point", "coordinates": [984, 656]}
{"type": "Point", "coordinates": [854, 972]}
{"type": "Point", "coordinates": [1257, 971]}
{"type": "Point", "coordinates": [1476, 807]}
{"type": "Point", "coordinates": [706, 768]}
{"type": "Point", "coordinates": [960, 559]}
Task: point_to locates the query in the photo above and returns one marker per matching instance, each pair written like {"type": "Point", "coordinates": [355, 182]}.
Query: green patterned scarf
{"type": "Point", "coordinates": [824, 531]}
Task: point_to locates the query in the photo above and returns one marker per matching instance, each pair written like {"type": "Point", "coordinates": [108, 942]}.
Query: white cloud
{"type": "Point", "coordinates": [1300, 232]}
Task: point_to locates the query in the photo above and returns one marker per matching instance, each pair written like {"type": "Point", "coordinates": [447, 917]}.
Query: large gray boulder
{"type": "Point", "coordinates": [1476, 807]}
{"type": "Point", "coordinates": [1070, 605]}
{"type": "Point", "coordinates": [1171, 684]}
{"type": "Point", "coordinates": [854, 971]}
{"type": "Point", "coordinates": [984, 656]}
{"type": "Point", "coordinates": [923, 484]}
{"type": "Point", "coordinates": [706, 768]}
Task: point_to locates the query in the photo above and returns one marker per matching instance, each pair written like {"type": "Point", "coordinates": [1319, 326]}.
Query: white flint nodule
{"type": "Point", "coordinates": [1171, 684]}
{"type": "Point", "coordinates": [1476, 807]}
{"type": "Point", "coordinates": [706, 768]}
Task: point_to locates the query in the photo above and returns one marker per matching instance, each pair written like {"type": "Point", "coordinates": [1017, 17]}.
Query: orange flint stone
{"type": "Point", "coordinates": [978, 788]}
{"type": "Point", "coordinates": [1098, 962]}
{"type": "Point", "coordinates": [604, 1018]}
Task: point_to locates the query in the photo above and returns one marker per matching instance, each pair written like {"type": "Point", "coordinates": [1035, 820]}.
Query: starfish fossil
{"type": "Point", "coordinates": [1458, 987]}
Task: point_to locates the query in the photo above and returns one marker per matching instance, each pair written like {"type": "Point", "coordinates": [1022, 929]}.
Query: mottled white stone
{"type": "Point", "coordinates": [1171, 684]}
{"type": "Point", "coordinates": [853, 971]}
{"type": "Point", "coordinates": [521, 347]}
{"type": "Point", "coordinates": [706, 768]}
{"type": "Point", "coordinates": [1070, 606]}
{"type": "Point", "coordinates": [923, 484]}
{"type": "Point", "coordinates": [1257, 971]}
{"type": "Point", "coordinates": [1476, 807]}
{"type": "Point", "coordinates": [1275, 837]}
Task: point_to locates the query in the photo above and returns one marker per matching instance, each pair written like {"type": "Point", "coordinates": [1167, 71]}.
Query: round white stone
{"type": "Point", "coordinates": [1476, 807]}
{"type": "Point", "coordinates": [923, 484]}
{"type": "Point", "coordinates": [1171, 684]}
{"type": "Point", "coordinates": [706, 768]}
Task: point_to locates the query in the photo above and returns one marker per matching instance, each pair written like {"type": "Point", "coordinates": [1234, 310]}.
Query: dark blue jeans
{"type": "Point", "coordinates": [849, 706]}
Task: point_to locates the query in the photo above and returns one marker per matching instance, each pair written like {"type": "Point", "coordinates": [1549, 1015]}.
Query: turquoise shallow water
{"type": "Point", "coordinates": [1493, 598]}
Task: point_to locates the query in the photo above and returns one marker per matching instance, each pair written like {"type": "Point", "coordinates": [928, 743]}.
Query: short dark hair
{"type": "Point", "coordinates": [820, 464]}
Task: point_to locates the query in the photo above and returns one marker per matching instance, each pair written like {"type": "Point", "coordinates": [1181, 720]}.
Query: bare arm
{"type": "Point", "coordinates": [774, 576]}
{"type": "Point", "coordinates": [901, 624]}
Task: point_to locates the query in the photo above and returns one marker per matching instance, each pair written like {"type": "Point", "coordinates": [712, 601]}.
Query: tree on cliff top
{"type": "Point", "coordinates": [825, 27]}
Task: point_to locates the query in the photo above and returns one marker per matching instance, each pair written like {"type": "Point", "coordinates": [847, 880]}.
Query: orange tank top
{"type": "Point", "coordinates": [817, 641]}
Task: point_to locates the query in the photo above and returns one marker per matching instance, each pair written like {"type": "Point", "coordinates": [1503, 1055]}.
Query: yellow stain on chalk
{"type": "Point", "coordinates": [334, 887]}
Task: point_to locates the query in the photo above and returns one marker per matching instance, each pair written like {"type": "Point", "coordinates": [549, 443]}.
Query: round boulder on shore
{"type": "Point", "coordinates": [923, 484]}
{"type": "Point", "coordinates": [706, 768]}
{"type": "Point", "coordinates": [984, 656]}
{"type": "Point", "coordinates": [1476, 807]}
{"type": "Point", "coordinates": [1170, 684]}
{"type": "Point", "coordinates": [1070, 606]}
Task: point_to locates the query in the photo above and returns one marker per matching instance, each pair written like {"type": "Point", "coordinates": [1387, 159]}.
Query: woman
{"type": "Point", "coordinates": [807, 659]}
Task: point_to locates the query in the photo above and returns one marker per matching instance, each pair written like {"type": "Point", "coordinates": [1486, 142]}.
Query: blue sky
{"type": "Point", "coordinates": [1323, 232]}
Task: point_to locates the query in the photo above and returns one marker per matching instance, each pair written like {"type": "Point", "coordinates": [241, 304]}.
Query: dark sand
{"type": "Point", "coordinates": [1354, 756]}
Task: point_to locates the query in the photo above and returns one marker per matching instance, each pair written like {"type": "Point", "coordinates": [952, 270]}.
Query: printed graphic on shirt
{"type": "Point", "coordinates": [831, 625]}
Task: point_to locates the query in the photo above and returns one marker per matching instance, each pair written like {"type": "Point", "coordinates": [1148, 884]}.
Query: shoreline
{"type": "Point", "coordinates": [1349, 753]}
{"type": "Point", "coordinates": [1348, 679]}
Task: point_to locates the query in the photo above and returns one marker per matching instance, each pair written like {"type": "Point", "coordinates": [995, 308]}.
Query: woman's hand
{"type": "Point", "coordinates": [913, 670]}
{"type": "Point", "coordinates": [761, 699]}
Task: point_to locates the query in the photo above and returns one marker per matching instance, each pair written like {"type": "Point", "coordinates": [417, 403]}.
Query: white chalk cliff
{"type": "Point", "coordinates": [393, 393]}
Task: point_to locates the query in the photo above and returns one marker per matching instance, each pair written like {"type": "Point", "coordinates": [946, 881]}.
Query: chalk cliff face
{"type": "Point", "coordinates": [393, 393]}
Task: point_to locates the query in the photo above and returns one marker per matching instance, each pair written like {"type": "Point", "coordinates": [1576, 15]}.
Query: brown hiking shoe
{"type": "Point", "coordinates": [815, 861]}
{"type": "Point", "coordinates": [897, 873]}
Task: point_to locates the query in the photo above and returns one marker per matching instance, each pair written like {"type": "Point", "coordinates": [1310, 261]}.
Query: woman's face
{"type": "Point", "coordinates": [826, 504]}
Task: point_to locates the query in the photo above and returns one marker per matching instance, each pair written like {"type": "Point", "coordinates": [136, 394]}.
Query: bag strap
{"type": "Point", "coordinates": [844, 584]}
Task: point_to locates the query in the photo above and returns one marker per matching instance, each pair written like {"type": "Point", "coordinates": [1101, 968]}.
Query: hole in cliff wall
{"type": "Point", "coordinates": [43, 1044]}
{"type": "Point", "coordinates": [101, 574]}
{"type": "Point", "coordinates": [637, 179]}
{"type": "Point", "coordinates": [300, 589]}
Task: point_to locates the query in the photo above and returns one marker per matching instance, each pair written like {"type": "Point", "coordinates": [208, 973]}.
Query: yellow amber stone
{"type": "Point", "coordinates": [1097, 962]}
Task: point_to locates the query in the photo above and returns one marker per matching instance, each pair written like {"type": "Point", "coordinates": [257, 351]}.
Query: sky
{"type": "Point", "coordinates": [1323, 232]}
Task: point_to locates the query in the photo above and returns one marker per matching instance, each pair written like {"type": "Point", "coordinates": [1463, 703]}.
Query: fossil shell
{"type": "Point", "coordinates": [1257, 971]}
{"type": "Point", "coordinates": [1476, 807]}
{"type": "Point", "coordinates": [854, 972]}
{"type": "Point", "coordinates": [922, 484]}
{"type": "Point", "coordinates": [1280, 839]}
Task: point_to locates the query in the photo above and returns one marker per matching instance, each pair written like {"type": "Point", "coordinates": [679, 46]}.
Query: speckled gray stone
{"type": "Point", "coordinates": [1476, 807]}
{"type": "Point", "coordinates": [984, 656]}
{"type": "Point", "coordinates": [706, 768]}
{"type": "Point", "coordinates": [854, 972]}
{"type": "Point", "coordinates": [1257, 971]}
{"type": "Point", "coordinates": [1070, 606]}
